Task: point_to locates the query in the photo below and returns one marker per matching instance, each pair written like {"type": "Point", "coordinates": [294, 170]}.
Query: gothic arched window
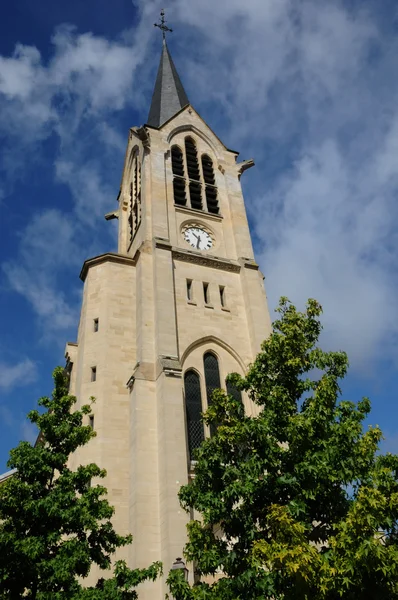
{"type": "Point", "coordinates": [210, 184]}
{"type": "Point", "coordinates": [234, 392]}
{"type": "Point", "coordinates": [195, 186]}
{"type": "Point", "coordinates": [191, 178]}
{"type": "Point", "coordinates": [212, 378]}
{"type": "Point", "coordinates": [177, 163]}
{"type": "Point", "coordinates": [193, 406]}
{"type": "Point", "coordinates": [135, 195]}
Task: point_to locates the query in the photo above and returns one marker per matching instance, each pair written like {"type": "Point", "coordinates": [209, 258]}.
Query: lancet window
{"type": "Point", "coordinates": [135, 196]}
{"type": "Point", "coordinates": [210, 184]}
{"type": "Point", "coordinates": [212, 378]}
{"type": "Point", "coordinates": [193, 406]}
{"type": "Point", "coordinates": [177, 163]}
{"type": "Point", "coordinates": [197, 187]}
{"type": "Point", "coordinates": [233, 391]}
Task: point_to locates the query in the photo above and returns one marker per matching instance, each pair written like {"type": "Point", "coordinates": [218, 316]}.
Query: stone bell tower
{"type": "Point", "coordinates": [166, 318]}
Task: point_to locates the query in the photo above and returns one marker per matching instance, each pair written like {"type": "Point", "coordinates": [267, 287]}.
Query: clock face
{"type": "Point", "coordinates": [198, 238]}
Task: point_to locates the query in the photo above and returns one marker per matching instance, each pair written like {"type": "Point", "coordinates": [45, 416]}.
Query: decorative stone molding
{"type": "Point", "coordinates": [202, 213]}
{"type": "Point", "coordinates": [198, 224]}
{"type": "Point", "coordinates": [114, 257]}
{"type": "Point", "coordinates": [248, 263]}
{"type": "Point", "coordinates": [207, 261]}
{"type": "Point", "coordinates": [171, 366]}
{"type": "Point", "coordinates": [163, 243]}
{"type": "Point", "coordinates": [143, 135]}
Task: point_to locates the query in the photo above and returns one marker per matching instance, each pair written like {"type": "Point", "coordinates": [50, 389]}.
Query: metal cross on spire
{"type": "Point", "coordinates": [162, 25]}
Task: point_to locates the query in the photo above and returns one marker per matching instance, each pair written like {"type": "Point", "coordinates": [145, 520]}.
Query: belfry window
{"type": "Point", "coordinates": [193, 407]}
{"type": "Point", "coordinates": [135, 195]}
{"type": "Point", "coordinates": [212, 379]}
{"type": "Point", "coordinates": [210, 184]}
{"type": "Point", "coordinates": [177, 163]}
{"type": "Point", "coordinates": [195, 188]}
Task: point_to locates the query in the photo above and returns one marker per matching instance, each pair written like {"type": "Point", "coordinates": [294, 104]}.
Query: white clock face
{"type": "Point", "coordinates": [198, 238]}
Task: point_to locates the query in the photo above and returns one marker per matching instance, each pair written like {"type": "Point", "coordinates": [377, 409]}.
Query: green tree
{"type": "Point", "coordinates": [54, 525]}
{"type": "Point", "coordinates": [297, 502]}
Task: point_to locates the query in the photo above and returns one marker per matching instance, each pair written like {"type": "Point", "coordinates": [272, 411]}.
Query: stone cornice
{"type": "Point", "coordinates": [249, 263]}
{"type": "Point", "coordinates": [197, 213]}
{"type": "Point", "coordinates": [214, 262]}
{"type": "Point", "coordinates": [121, 259]}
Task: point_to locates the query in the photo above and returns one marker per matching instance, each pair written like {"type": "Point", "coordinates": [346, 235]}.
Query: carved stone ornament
{"type": "Point", "coordinates": [200, 225]}
{"type": "Point", "coordinates": [206, 261]}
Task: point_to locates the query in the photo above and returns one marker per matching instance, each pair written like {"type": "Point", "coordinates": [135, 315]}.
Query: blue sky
{"type": "Point", "coordinates": [308, 89]}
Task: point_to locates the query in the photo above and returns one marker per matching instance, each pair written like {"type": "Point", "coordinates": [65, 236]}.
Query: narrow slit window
{"type": "Point", "coordinates": [206, 294]}
{"type": "Point", "coordinates": [91, 421]}
{"type": "Point", "coordinates": [93, 373]}
{"type": "Point", "coordinates": [96, 324]}
{"type": "Point", "coordinates": [222, 295]}
{"type": "Point", "coordinates": [189, 289]}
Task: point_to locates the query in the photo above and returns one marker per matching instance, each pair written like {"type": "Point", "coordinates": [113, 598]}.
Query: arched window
{"type": "Point", "coordinates": [135, 195]}
{"type": "Point", "coordinates": [234, 392]}
{"type": "Point", "coordinates": [189, 180]}
{"type": "Point", "coordinates": [212, 379]}
{"type": "Point", "coordinates": [210, 184]}
{"type": "Point", "coordinates": [193, 406]}
{"type": "Point", "coordinates": [177, 163]}
{"type": "Point", "coordinates": [195, 186]}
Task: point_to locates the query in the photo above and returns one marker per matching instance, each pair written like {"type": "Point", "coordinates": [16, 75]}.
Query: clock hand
{"type": "Point", "coordinates": [198, 242]}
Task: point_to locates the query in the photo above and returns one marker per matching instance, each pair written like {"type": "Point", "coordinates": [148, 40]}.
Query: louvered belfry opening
{"type": "Point", "coordinates": [193, 406]}
{"type": "Point", "coordinates": [195, 186]}
{"type": "Point", "coordinates": [177, 162]}
{"type": "Point", "coordinates": [212, 379]}
{"type": "Point", "coordinates": [210, 184]}
{"type": "Point", "coordinates": [135, 195]}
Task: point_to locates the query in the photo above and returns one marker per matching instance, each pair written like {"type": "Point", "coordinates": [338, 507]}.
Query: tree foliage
{"type": "Point", "coordinates": [296, 502]}
{"type": "Point", "coordinates": [54, 525]}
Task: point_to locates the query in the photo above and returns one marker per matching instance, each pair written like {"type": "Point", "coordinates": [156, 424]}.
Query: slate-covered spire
{"type": "Point", "coordinates": [169, 95]}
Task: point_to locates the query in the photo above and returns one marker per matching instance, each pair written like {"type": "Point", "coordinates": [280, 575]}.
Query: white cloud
{"type": "Point", "coordinates": [47, 246]}
{"type": "Point", "coordinates": [327, 240]}
{"type": "Point", "coordinates": [308, 88]}
{"type": "Point", "coordinates": [13, 375]}
{"type": "Point", "coordinates": [29, 431]}
{"type": "Point", "coordinates": [87, 79]}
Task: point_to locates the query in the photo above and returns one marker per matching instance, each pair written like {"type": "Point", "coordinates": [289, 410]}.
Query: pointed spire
{"type": "Point", "coordinates": [169, 95]}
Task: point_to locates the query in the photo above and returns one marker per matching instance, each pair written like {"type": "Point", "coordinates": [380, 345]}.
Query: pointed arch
{"type": "Point", "coordinates": [195, 131]}
{"type": "Point", "coordinates": [211, 339]}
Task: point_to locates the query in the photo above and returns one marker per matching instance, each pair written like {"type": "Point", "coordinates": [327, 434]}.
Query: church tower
{"type": "Point", "coordinates": [164, 319]}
